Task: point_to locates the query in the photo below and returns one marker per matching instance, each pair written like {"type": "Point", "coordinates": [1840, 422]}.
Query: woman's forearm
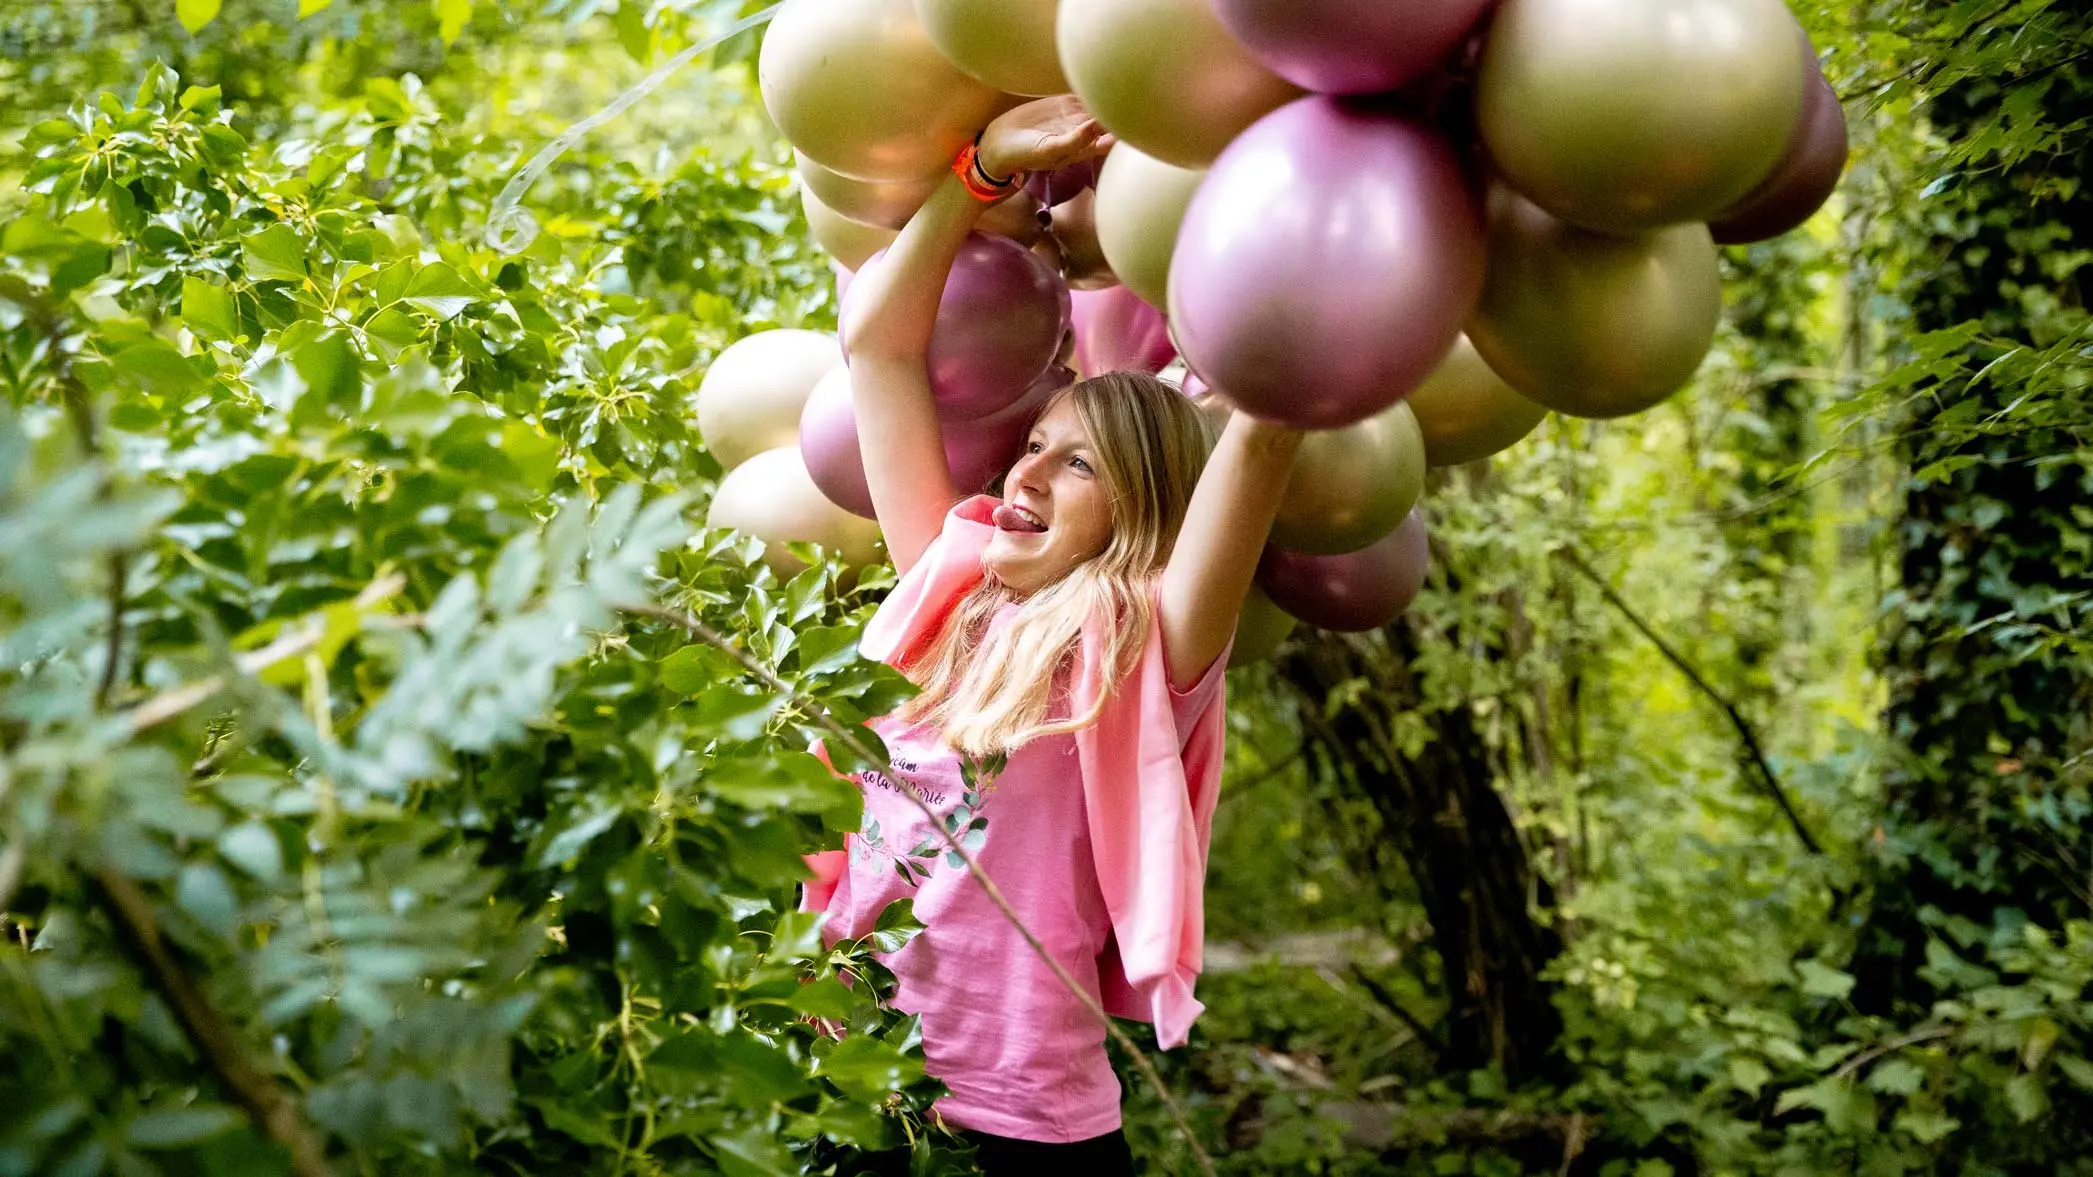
{"type": "Point", "coordinates": [893, 305]}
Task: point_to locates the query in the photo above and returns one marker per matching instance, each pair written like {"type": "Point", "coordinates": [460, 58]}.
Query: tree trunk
{"type": "Point", "coordinates": [1440, 811]}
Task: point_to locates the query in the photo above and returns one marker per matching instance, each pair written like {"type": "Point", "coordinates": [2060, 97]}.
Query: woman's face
{"type": "Point", "coordinates": [1056, 512]}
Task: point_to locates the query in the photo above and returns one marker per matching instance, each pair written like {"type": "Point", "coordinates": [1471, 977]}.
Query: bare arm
{"type": "Point", "coordinates": [893, 307]}
{"type": "Point", "coordinates": [1225, 527]}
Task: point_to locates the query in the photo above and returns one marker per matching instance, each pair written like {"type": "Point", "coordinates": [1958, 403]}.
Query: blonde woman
{"type": "Point", "coordinates": [1069, 640]}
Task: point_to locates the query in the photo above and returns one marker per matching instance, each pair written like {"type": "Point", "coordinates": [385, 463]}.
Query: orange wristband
{"type": "Point", "coordinates": [979, 184]}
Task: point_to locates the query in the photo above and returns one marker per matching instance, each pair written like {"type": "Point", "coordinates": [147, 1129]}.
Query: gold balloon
{"type": "Point", "coordinates": [1352, 486]}
{"type": "Point", "coordinates": [1593, 325]}
{"type": "Point", "coordinates": [1141, 202]}
{"type": "Point", "coordinates": [772, 497]}
{"type": "Point", "coordinates": [1260, 629]}
{"type": "Point", "coordinates": [1165, 76]}
{"type": "Point", "coordinates": [885, 203]}
{"type": "Point", "coordinates": [1075, 232]}
{"type": "Point", "coordinates": [848, 241]}
{"type": "Point", "coordinates": [858, 86]}
{"type": "Point", "coordinates": [1467, 412]}
{"type": "Point", "coordinates": [751, 397]}
{"type": "Point", "coordinates": [1008, 44]}
{"type": "Point", "coordinates": [1627, 115]}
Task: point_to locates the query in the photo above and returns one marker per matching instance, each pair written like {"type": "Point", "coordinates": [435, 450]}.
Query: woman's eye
{"type": "Point", "coordinates": [1080, 464]}
{"type": "Point", "coordinates": [1033, 447]}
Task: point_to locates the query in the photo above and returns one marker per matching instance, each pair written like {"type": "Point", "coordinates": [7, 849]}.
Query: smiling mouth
{"type": "Point", "coordinates": [1018, 519]}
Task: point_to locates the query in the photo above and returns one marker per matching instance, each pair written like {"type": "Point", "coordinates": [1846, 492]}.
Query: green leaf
{"type": "Point", "coordinates": [158, 366]}
{"type": "Point", "coordinates": [308, 7]}
{"type": "Point", "coordinates": [179, 1127]}
{"type": "Point", "coordinates": [1925, 1127]}
{"type": "Point", "coordinates": [2076, 1069]}
{"type": "Point", "coordinates": [209, 310]}
{"type": "Point", "coordinates": [195, 14]}
{"type": "Point", "coordinates": [825, 998]}
{"type": "Point", "coordinates": [1821, 981]}
{"type": "Point", "coordinates": [205, 893]}
{"type": "Point", "coordinates": [868, 1069]}
{"type": "Point", "coordinates": [253, 848]}
{"type": "Point", "coordinates": [440, 290]}
{"type": "Point", "coordinates": [451, 16]}
{"type": "Point", "coordinates": [1896, 1077]}
{"type": "Point", "coordinates": [276, 254]}
{"type": "Point", "coordinates": [331, 372]}
{"type": "Point", "coordinates": [2024, 1094]}
{"type": "Point", "coordinates": [1748, 1075]}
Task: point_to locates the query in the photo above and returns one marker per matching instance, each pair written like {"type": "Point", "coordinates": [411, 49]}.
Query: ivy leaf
{"type": "Point", "coordinates": [867, 1068]}
{"type": "Point", "coordinates": [1821, 981]}
{"type": "Point", "coordinates": [195, 14]}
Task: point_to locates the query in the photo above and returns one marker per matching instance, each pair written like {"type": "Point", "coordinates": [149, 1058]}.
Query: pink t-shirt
{"type": "Point", "coordinates": [1021, 1055]}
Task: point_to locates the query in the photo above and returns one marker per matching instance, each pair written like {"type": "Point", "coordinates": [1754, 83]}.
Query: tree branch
{"type": "Point", "coordinates": [1745, 732]}
{"type": "Point", "coordinates": [711, 637]}
{"type": "Point", "coordinates": [1386, 1000]}
{"type": "Point", "coordinates": [273, 1111]}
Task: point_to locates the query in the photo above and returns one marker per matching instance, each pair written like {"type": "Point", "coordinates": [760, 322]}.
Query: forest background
{"type": "Point", "coordinates": [395, 779]}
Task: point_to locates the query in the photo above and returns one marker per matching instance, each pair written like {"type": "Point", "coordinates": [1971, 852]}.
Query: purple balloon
{"type": "Point", "coordinates": [999, 325]}
{"type": "Point", "coordinates": [1063, 184]}
{"type": "Point", "coordinates": [1327, 263]}
{"type": "Point", "coordinates": [976, 452]}
{"type": "Point", "coordinates": [1805, 177]}
{"type": "Point", "coordinates": [1350, 46]}
{"type": "Point", "coordinates": [1117, 332]}
{"type": "Point", "coordinates": [1354, 592]}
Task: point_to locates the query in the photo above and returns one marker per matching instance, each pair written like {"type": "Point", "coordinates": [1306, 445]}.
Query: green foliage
{"type": "Point", "coordinates": [348, 582]}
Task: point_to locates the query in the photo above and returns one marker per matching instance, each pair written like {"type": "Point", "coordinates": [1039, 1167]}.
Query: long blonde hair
{"type": "Point", "coordinates": [989, 690]}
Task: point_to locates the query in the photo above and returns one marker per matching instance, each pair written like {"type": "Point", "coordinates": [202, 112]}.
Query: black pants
{"type": "Point", "coordinates": [1000, 1156]}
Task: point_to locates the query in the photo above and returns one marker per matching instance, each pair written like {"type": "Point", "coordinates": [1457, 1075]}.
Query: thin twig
{"type": "Point", "coordinates": [274, 1112]}
{"type": "Point", "coordinates": [169, 704]}
{"type": "Point", "coordinates": [1736, 717]}
{"type": "Point", "coordinates": [1862, 1059]}
{"type": "Point", "coordinates": [711, 637]}
{"type": "Point", "coordinates": [1388, 1001]}
{"type": "Point", "coordinates": [113, 656]}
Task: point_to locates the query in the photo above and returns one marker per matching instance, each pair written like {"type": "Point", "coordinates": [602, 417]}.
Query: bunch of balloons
{"type": "Point", "coordinates": [1412, 226]}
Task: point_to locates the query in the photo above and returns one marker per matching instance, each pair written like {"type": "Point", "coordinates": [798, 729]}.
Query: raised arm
{"type": "Point", "coordinates": [1224, 531]}
{"type": "Point", "coordinates": [893, 307]}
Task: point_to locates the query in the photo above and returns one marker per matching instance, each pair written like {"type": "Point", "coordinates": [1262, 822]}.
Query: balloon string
{"type": "Point", "coordinates": [510, 227]}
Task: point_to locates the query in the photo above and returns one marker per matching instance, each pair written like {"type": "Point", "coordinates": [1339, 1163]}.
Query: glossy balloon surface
{"type": "Point", "coordinates": [859, 87]}
{"type": "Point", "coordinates": [1350, 46]}
{"type": "Point", "coordinates": [848, 241]}
{"type": "Point", "coordinates": [1804, 179]}
{"type": "Point", "coordinates": [1353, 592]}
{"type": "Point", "coordinates": [751, 396]}
{"type": "Point", "coordinates": [1115, 331]}
{"type": "Point", "coordinates": [1141, 203]}
{"type": "Point", "coordinates": [1164, 75]}
{"type": "Point", "coordinates": [1075, 232]}
{"type": "Point", "coordinates": [1326, 263]}
{"type": "Point", "coordinates": [1466, 412]}
{"type": "Point", "coordinates": [1007, 44]}
{"type": "Point", "coordinates": [771, 496]}
{"type": "Point", "coordinates": [887, 204]}
{"type": "Point", "coordinates": [1593, 325]}
{"type": "Point", "coordinates": [976, 452]}
{"type": "Point", "coordinates": [1628, 115]}
{"type": "Point", "coordinates": [1352, 486]}
{"type": "Point", "coordinates": [999, 325]}
{"type": "Point", "coordinates": [1260, 629]}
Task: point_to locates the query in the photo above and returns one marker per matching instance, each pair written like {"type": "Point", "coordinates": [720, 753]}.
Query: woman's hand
{"type": "Point", "coordinates": [1040, 135]}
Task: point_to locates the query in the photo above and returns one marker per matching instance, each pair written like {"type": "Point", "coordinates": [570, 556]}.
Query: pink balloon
{"type": "Point", "coordinates": [999, 325]}
{"type": "Point", "coordinates": [1327, 263]}
{"type": "Point", "coordinates": [1063, 184]}
{"type": "Point", "coordinates": [1116, 331]}
{"type": "Point", "coordinates": [1354, 592]}
{"type": "Point", "coordinates": [843, 279]}
{"type": "Point", "coordinates": [1805, 177]}
{"type": "Point", "coordinates": [1350, 46]}
{"type": "Point", "coordinates": [976, 452]}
